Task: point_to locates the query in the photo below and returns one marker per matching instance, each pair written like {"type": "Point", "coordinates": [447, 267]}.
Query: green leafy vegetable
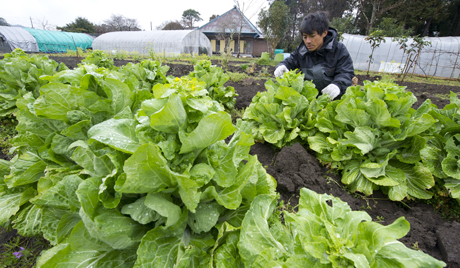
{"type": "Point", "coordinates": [442, 150]}
{"type": "Point", "coordinates": [285, 113]}
{"type": "Point", "coordinates": [324, 235]}
{"type": "Point", "coordinates": [109, 168]}
{"type": "Point", "coordinates": [375, 137]}
{"type": "Point", "coordinates": [215, 78]}
{"type": "Point", "coordinates": [19, 74]}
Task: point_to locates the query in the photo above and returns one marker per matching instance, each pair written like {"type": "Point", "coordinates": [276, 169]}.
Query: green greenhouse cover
{"type": "Point", "coordinates": [54, 41]}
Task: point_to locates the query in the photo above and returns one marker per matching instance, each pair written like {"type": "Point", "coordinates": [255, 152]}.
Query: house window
{"type": "Point", "coordinates": [217, 45]}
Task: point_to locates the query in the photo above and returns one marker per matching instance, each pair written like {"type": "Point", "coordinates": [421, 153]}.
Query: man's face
{"type": "Point", "coordinates": [313, 41]}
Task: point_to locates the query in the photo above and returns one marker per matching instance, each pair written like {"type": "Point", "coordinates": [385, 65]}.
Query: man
{"type": "Point", "coordinates": [320, 57]}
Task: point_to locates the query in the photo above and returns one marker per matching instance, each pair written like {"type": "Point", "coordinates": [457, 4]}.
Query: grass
{"type": "Point", "coordinates": [442, 96]}
{"type": "Point", "coordinates": [237, 77]}
{"type": "Point", "coordinates": [21, 252]}
{"type": "Point", "coordinates": [447, 207]}
{"type": "Point", "coordinates": [237, 114]}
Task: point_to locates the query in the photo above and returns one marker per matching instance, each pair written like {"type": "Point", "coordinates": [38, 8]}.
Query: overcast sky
{"type": "Point", "coordinates": [59, 13]}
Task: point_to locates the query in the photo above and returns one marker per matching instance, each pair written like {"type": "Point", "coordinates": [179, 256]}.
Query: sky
{"type": "Point", "coordinates": [149, 14]}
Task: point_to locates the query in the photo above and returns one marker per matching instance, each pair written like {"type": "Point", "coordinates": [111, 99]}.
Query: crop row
{"type": "Point", "coordinates": [128, 167]}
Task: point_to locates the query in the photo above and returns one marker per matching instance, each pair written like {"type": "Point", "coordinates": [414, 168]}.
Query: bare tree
{"type": "Point", "coordinates": [44, 24]}
{"type": "Point", "coordinates": [227, 29]}
{"type": "Point", "coordinates": [243, 8]}
{"type": "Point", "coordinates": [120, 23]}
{"type": "Point", "coordinates": [132, 24]}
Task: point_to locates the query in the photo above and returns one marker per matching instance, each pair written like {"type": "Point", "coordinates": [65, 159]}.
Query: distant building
{"type": "Point", "coordinates": [223, 34]}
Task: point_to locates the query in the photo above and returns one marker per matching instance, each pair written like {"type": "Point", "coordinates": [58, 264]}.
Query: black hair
{"type": "Point", "coordinates": [316, 21]}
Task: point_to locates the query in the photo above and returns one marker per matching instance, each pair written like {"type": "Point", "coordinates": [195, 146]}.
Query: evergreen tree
{"type": "Point", "coordinates": [80, 25]}
{"type": "Point", "coordinates": [274, 23]}
{"type": "Point", "coordinates": [190, 16]}
{"type": "Point", "coordinates": [428, 17]}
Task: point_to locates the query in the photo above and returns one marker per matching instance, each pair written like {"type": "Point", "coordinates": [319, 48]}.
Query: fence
{"type": "Point", "coordinates": [440, 59]}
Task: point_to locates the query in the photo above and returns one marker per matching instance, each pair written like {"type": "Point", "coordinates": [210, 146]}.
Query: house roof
{"type": "Point", "coordinates": [228, 22]}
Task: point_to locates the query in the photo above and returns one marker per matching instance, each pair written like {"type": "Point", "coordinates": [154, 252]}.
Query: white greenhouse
{"type": "Point", "coordinates": [440, 59]}
{"type": "Point", "coordinates": [16, 37]}
{"type": "Point", "coordinates": [168, 43]}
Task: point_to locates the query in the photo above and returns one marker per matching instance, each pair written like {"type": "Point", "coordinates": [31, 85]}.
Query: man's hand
{"type": "Point", "coordinates": [281, 70]}
{"type": "Point", "coordinates": [332, 90]}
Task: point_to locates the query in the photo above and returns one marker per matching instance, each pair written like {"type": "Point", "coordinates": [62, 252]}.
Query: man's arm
{"type": "Point", "coordinates": [344, 71]}
{"type": "Point", "coordinates": [291, 62]}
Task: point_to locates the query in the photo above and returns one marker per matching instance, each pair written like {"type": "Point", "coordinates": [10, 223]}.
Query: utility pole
{"type": "Point", "coordinates": [31, 22]}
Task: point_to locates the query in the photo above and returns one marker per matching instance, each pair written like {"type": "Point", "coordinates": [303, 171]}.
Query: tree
{"type": "Point", "coordinates": [376, 8]}
{"type": "Point", "coordinates": [190, 16]}
{"type": "Point", "coordinates": [242, 9]}
{"type": "Point", "coordinates": [80, 25]}
{"type": "Point", "coordinates": [3, 22]}
{"type": "Point", "coordinates": [335, 8]}
{"type": "Point", "coordinates": [120, 23]}
{"type": "Point", "coordinates": [300, 8]}
{"type": "Point", "coordinates": [274, 22]}
{"type": "Point", "coordinates": [450, 25]}
{"type": "Point", "coordinates": [170, 25]}
{"type": "Point", "coordinates": [374, 39]}
{"type": "Point", "coordinates": [344, 25]}
{"type": "Point", "coordinates": [214, 16]}
{"type": "Point", "coordinates": [43, 24]}
{"type": "Point", "coordinates": [227, 28]}
{"type": "Point", "coordinates": [390, 27]}
{"type": "Point", "coordinates": [297, 10]}
{"type": "Point", "coordinates": [424, 15]}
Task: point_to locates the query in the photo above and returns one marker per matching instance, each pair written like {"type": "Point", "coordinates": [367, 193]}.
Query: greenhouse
{"type": "Point", "coordinates": [54, 41]}
{"type": "Point", "coordinates": [441, 58]}
{"type": "Point", "coordinates": [167, 43]}
{"type": "Point", "coordinates": [35, 40]}
{"type": "Point", "coordinates": [16, 37]}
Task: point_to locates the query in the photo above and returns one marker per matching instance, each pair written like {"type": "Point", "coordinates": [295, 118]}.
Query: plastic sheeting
{"type": "Point", "coordinates": [440, 59]}
{"type": "Point", "coordinates": [17, 37]}
{"type": "Point", "coordinates": [54, 41]}
{"type": "Point", "coordinates": [168, 43]}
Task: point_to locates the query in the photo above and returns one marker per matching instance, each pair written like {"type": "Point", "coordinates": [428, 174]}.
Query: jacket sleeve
{"type": "Point", "coordinates": [291, 62]}
{"type": "Point", "coordinates": [344, 71]}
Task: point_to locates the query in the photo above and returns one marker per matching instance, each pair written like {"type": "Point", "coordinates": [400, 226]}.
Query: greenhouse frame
{"type": "Point", "coordinates": [441, 59]}
{"type": "Point", "coordinates": [166, 43]}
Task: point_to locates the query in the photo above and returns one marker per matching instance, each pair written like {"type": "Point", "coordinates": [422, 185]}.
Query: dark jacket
{"type": "Point", "coordinates": [329, 64]}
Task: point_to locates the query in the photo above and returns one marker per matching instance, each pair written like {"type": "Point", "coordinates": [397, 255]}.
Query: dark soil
{"type": "Point", "coordinates": [295, 167]}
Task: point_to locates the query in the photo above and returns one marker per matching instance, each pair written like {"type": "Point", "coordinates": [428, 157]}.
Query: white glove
{"type": "Point", "coordinates": [332, 90]}
{"type": "Point", "coordinates": [281, 70]}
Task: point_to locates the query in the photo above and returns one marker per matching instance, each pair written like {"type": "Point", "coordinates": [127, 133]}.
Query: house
{"type": "Point", "coordinates": [223, 34]}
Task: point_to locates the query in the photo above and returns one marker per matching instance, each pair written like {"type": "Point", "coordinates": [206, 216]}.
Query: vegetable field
{"type": "Point", "coordinates": [143, 165]}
